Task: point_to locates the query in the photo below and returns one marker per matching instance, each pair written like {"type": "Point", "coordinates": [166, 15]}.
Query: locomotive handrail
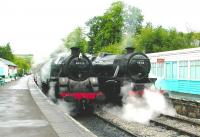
{"type": "Point", "coordinates": [116, 72]}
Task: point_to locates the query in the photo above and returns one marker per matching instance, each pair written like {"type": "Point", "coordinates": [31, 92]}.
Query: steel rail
{"type": "Point", "coordinates": [116, 126]}
{"type": "Point", "coordinates": [180, 131]}
{"type": "Point", "coordinates": [181, 119]}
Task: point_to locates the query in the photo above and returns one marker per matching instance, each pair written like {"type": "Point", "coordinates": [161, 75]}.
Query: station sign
{"type": "Point", "coordinates": [160, 60]}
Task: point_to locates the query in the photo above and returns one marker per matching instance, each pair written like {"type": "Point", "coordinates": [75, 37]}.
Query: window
{"type": "Point", "coordinates": [171, 70]}
{"type": "Point", "coordinates": [195, 69]}
{"type": "Point", "coordinates": [1, 71]}
{"type": "Point", "coordinates": [174, 66]}
{"type": "Point", "coordinates": [183, 69]}
{"type": "Point", "coordinates": [160, 69]}
{"type": "Point", "coordinates": [153, 69]}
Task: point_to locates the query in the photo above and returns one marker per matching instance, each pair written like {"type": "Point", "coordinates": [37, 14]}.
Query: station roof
{"type": "Point", "coordinates": [7, 62]}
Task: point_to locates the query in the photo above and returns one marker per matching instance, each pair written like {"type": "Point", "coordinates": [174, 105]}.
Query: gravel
{"type": "Point", "coordinates": [149, 130]}
{"type": "Point", "coordinates": [186, 126]}
{"type": "Point", "coordinates": [100, 127]}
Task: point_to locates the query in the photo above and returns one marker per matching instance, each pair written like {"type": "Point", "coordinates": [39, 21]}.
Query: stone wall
{"type": "Point", "coordinates": [186, 107]}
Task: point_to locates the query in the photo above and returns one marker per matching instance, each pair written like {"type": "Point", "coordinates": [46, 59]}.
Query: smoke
{"type": "Point", "coordinates": [41, 66]}
{"type": "Point", "coordinates": [141, 109]}
{"type": "Point", "coordinates": [63, 105]}
{"type": "Point", "coordinates": [42, 69]}
{"type": "Point", "coordinates": [66, 106]}
{"type": "Point", "coordinates": [51, 92]}
{"type": "Point", "coordinates": [39, 62]}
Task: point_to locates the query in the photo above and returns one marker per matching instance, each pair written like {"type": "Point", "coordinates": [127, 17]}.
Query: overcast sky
{"type": "Point", "coordinates": [37, 26]}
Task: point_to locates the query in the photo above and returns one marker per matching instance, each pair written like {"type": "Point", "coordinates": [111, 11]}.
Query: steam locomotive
{"type": "Point", "coordinates": [70, 79]}
{"type": "Point", "coordinates": [85, 82]}
{"type": "Point", "coordinates": [115, 71]}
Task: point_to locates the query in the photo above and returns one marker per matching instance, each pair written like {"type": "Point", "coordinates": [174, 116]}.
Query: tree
{"type": "Point", "coordinates": [114, 48]}
{"type": "Point", "coordinates": [6, 52]}
{"type": "Point", "coordinates": [196, 39]}
{"type": "Point", "coordinates": [76, 39]}
{"type": "Point", "coordinates": [23, 64]}
{"type": "Point", "coordinates": [159, 39]}
{"type": "Point", "coordinates": [132, 20]}
{"type": "Point", "coordinates": [119, 22]}
{"type": "Point", "coordinates": [107, 29]}
{"type": "Point", "coordinates": [143, 41]}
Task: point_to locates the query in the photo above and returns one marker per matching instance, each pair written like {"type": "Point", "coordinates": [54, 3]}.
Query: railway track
{"type": "Point", "coordinates": [156, 127]}
{"type": "Point", "coordinates": [188, 120]}
{"type": "Point", "coordinates": [180, 125]}
{"type": "Point", "coordinates": [98, 125]}
{"type": "Point", "coordinates": [106, 124]}
{"type": "Point", "coordinates": [102, 127]}
{"type": "Point", "coordinates": [118, 127]}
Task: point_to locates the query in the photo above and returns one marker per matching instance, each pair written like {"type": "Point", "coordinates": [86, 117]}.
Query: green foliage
{"type": "Point", "coordinates": [6, 52]}
{"type": "Point", "coordinates": [121, 26]}
{"type": "Point", "coordinates": [196, 39]}
{"type": "Point", "coordinates": [107, 29]}
{"type": "Point", "coordinates": [115, 49]}
{"type": "Point", "coordinates": [23, 64]}
{"type": "Point", "coordinates": [159, 39]}
{"type": "Point", "coordinates": [196, 35]}
{"type": "Point", "coordinates": [76, 39]}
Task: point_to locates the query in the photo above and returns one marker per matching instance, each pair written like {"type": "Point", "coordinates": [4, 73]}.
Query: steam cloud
{"type": "Point", "coordinates": [66, 107]}
{"type": "Point", "coordinates": [42, 66]}
{"type": "Point", "coordinates": [41, 69]}
{"type": "Point", "coordinates": [141, 109]}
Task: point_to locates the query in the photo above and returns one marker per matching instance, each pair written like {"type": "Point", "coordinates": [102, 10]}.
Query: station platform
{"type": "Point", "coordinates": [26, 112]}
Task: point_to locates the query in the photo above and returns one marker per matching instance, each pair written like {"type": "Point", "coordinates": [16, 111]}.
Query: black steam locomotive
{"type": "Point", "coordinates": [71, 80]}
{"type": "Point", "coordinates": [85, 82]}
{"type": "Point", "coordinates": [114, 71]}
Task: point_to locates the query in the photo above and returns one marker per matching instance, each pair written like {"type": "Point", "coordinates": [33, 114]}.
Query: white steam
{"type": "Point", "coordinates": [39, 62]}
{"type": "Point", "coordinates": [42, 66]}
{"type": "Point", "coordinates": [51, 92]}
{"type": "Point", "coordinates": [141, 109]}
{"type": "Point", "coordinates": [63, 105]}
{"type": "Point", "coordinates": [42, 70]}
{"type": "Point", "coordinates": [66, 107]}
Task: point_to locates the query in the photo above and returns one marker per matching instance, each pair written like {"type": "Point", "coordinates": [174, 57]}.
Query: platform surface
{"type": "Point", "coordinates": [26, 112]}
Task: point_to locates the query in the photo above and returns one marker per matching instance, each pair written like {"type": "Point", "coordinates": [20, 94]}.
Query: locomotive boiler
{"type": "Point", "coordinates": [114, 71]}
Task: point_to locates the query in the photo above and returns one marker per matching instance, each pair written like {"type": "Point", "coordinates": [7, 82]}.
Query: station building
{"type": "Point", "coordinates": [8, 70]}
{"type": "Point", "coordinates": [177, 71]}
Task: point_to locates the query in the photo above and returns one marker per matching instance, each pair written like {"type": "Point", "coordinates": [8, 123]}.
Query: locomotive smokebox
{"type": "Point", "coordinates": [76, 67]}
{"type": "Point", "coordinates": [138, 66]}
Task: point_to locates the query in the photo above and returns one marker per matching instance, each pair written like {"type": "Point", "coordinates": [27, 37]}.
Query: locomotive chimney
{"type": "Point", "coordinates": [130, 50]}
{"type": "Point", "coordinates": [75, 51]}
